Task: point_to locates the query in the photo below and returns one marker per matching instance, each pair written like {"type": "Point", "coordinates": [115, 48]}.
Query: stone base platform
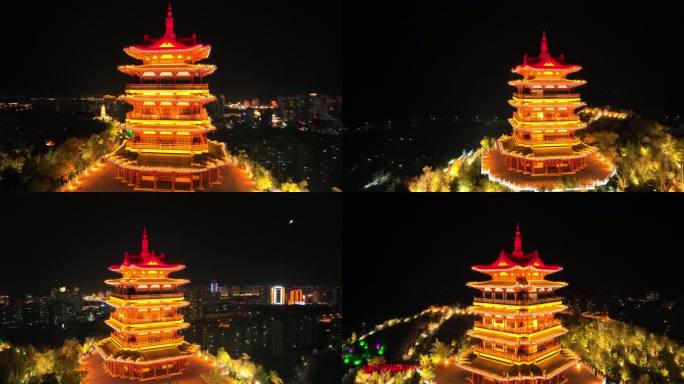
{"type": "Point", "coordinates": [597, 172]}
{"type": "Point", "coordinates": [105, 179]}
{"type": "Point", "coordinates": [96, 374]}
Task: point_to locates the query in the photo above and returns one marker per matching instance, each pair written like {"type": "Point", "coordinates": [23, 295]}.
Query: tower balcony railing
{"type": "Point", "coordinates": [147, 342]}
{"type": "Point", "coordinates": [140, 116]}
{"type": "Point", "coordinates": [133, 320]}
{"type": "Point", "coordinates": [136, 296]}
{"type": "Point", "coordinates": [169, 147]}
{"type": "Point", "coordinates": [519, 357]}
{"type": "Point", "coordinates": [167, 86]}
{"type": "Point", "coordinates": [549, 139]}
{"type": "Point", "coordinates": [528, 329]}
{"type": "Point", "coordinates": [546, 95]}
{"type": "Point", "coordinates": [531, 118]}
{"type": "Point", "coordinates": [518, 301]}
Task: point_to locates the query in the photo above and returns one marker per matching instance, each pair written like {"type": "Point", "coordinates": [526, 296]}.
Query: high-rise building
{"type": "Point", "coordinates": [166, 146]}
{"type": "Point", "coordinates": [214, 287]}
{"type": "Point", "coordinates": [295, 297]}
{"type": "Point", "coordinates": [517, 330]}
{"type": "Point", "coordinates": [278, 295]}
{"type": "Point", "coordinates": [544, 145]}
{"type": "Point", "coordinates": [146, 343]}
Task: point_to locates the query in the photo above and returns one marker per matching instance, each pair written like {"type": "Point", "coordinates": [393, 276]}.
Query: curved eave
{"type": "Point", "coordinates": [135, 282]}
{"type": "Point", "coordinates": [162, 93]}
{"type": "Point", "coordinates": [522, 103]}
{"type": "Point", "coordinates": [163, 124]}
{"type": "Point", "coordinates": [539, 125]}
{"type": "Point", "coordinates": [521, 69]}
{"type": "Point", "coordinates": [518, 338]}
{"type": "Point", "coordinates": [168, 267]}
{"type": "Point", "coordinates": [181, 304]}
{"type": "Point", "coordinates": [195, 53]}
{"type": "Point", "coordinates": [550, 101]}
{"type": "Point", "coordinates": [200, 99]}
{"type": "Point", "coordinates": [493, 269]}
{"type": "Point", "coordinates": [145, 303]}
{"type": "Point", "coordinates": [507, 309]}
{"type": "Point", "coordinates": [146, 327]}
{"type": "Point", "coordinates": [140, 70]}
{"type": "Point", "coordinates": [488, 284]}
{"type": "Point", "coordinates": [571, 82]}
{"type": "Point", "coordinates": [189, 129]}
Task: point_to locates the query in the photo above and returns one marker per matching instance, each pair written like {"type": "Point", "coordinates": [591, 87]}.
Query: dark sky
{"type": "Point", "coordinates": [264, 48]}
{"type": "Point", "coordinates": [403, 253]}
{"type": "Point", "coordinates": [455, 57]}
{"type": "Point", "coordinates": [236, 239]}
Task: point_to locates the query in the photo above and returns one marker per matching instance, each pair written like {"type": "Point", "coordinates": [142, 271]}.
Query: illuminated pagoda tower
{"type": "Point", "coordinates": [166, 146]}
{"type": "Point", "coordinates": [544, 145]}
{"type": "Point", "coordinates": [146, 343]}
{"type": "Point", "coordinates": [517, 332]}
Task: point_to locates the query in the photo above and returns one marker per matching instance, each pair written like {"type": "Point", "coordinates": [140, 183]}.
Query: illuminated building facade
{"type": "Point", "coordinates": [544, 145]}
{"type": "Point", "coordinates": [296, 296]}
{"type": "Point", "coordinates": [146, 342]}
{"type": "Point", "coordinates": [214, 287]}
{"type": "Point", "coordinates": [278, 295]}
{"type": "Point", "coordinates": [166, 146]}
{"type": "Point", "coordinates": [517, 330]}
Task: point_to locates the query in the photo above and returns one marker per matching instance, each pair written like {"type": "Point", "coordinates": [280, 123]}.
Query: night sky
{"type": "Point", "coordinates": [403, 253]}
{"type": "Point", "coordinates": [244, 239]}
{"type": "Point", "coordinates": [262, 49]}
{"type": "Point", "coordinates": [455, 57]}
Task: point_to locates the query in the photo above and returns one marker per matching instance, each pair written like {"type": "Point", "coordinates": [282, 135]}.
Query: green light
{"type": "Point", "coordinates": [357, 362]}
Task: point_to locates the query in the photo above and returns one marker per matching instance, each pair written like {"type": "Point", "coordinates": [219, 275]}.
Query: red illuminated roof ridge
{"type": "Point", "coordinates": [545, 59]}
{"type": "Point", "coordinates": [168, 40]}
{"type": "Point", "coordinates": [517, 258]}
{"type": "Point", "coordinates": [146, 258]}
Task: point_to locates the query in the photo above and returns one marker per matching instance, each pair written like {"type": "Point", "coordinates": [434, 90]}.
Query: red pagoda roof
{"type": "Point", "coordinates": [169, 43]}
{"type": "Point", "coordinates": [145, 259]}
{"type": "Point", "coordinates": [517, 258]}
{"type": "Point", "coordinates": [545, 60]}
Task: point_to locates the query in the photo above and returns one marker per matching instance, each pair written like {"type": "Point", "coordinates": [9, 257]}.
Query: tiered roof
{"type": "Point", "coordinates": [146, 259]}
{"type": "Point", "coordinates": [169, 48]}
{"type": "Point", "coordinates": [517, 260]}
{"type": "Point", "coordinates": [545, 61]}
{"type": "Point", "coordinates": [524, 271]}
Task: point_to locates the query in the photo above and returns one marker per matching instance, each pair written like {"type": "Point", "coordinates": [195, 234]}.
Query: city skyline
{"type": "Point", "coordinates": [264, 50]}
{"type": "Point", "coordinates": [259, 241]}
